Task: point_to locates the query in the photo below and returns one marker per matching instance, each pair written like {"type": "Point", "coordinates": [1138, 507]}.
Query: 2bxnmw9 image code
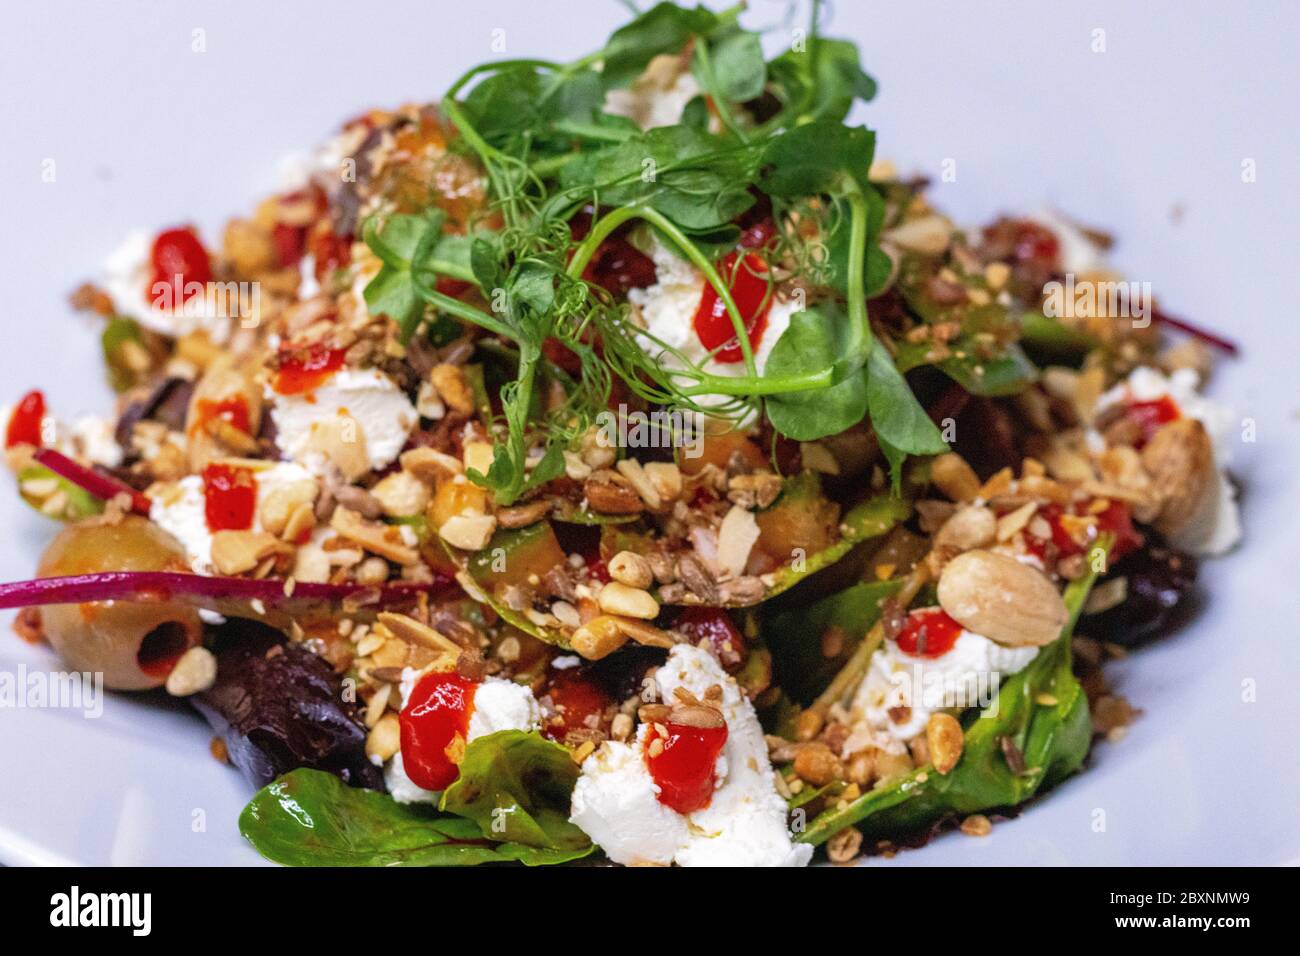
{"type": "Point", "coordinates": [1185, 897]}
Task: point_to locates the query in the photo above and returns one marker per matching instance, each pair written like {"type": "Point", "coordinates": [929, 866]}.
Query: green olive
{"type": "Point", "coordinates": [133, 644]}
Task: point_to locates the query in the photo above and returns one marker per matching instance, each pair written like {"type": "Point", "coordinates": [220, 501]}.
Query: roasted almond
{"type": "Point", "coordinates": [969, 527]}
{"type": "Point", "coordinates": [1002, 599]}
{"type": "Point", "coordinates": [1180, 460]}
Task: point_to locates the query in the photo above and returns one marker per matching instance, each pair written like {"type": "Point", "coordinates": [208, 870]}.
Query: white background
{"type": "Point", "coordinates": [1146, 139]}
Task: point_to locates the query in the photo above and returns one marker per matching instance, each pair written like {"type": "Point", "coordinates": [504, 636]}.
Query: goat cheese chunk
{"type": "Point", "coordinates": [128, 277]}
{"type": "Point", "coordinates": [383, 414]}
{"type": "Point", "coordinates": [901, 690]}
{"type": "Point", "coordinates": [182, 509]}
{"type": "Point", "coordinates": [498, 705]}
{"type": "Point", "coordinates": [616, 800]}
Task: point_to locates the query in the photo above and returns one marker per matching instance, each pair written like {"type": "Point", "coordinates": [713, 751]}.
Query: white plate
{"type": "Point", "coordinates": [144, 131]}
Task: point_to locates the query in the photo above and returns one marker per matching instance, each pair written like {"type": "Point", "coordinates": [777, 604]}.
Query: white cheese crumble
{"type": "Point", "coordinates": [498, 705]}
{"type": "Point", "coordinates": [616, 800]}
{"type": "Point", "coordinates": [668, 312]}
{"type": "Point", "coordinates": [383, 413]}
{"type": "Point", "coordinates": [182, 511]}
{"type": "Point", "coordinates": [649, 105]}
{"type": "Point", "coordinates": [94, 439]}
{"type": "Point", "coordinates": [128, 275]}
{"type": "Point", "coordinates": [901, 691]}
{"type": "Point", "coordinates": [1216, 528]}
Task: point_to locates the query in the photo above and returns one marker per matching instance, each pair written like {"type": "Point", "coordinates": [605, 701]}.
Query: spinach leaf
{"type": "Point", "coordinates": [311, 818]}
{"type": "Point", "coordinates": [517, 787]}
{"type": "Point", "coordinates": [1041, 711]}
{"type": "Point", "coordinates": [815, 340]}
{"type": "Point", "coordinates": [863, 522]}
{"type": "Point", "coordinates": [794, 636]}
{"type": "Point", "coordinates": [1006, 372]}
{"type": "Point", "coordinates": [902, 427]}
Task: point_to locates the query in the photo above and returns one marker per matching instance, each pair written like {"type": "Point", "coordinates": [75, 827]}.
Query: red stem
{"type": "Point", "coordinates": [1193, 330]}
{"type": "Point", "coordinates": [95, 482]}
{"type": "Point", "coordinates": [200, 590]}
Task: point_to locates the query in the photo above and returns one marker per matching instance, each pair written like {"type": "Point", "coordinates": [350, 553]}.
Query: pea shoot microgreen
{"type": "Point", "coordinates": [548, 149]}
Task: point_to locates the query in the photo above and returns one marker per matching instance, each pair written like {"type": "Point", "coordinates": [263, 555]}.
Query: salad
{"type": "Point", "coordinates": [615, 460]}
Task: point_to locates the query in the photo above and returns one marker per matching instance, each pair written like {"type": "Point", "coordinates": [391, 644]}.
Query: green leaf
{"type": "Point", "coordinates": [1041, 710]}
{"type": "Point", "coordinates": [311, 818]}
{"type": "Point", "coordinates": [517, 786]}
{"type": "Point", "coordinates": [391, 293]}
{"type": "Point", "coordinates": [117, 333]}
{"type": "Point", "coordinates": [795, 635]}
{"type": "Point", "coordinates": [80, 502]}
{"type": "Point", "coordinates": [901, 425]}
{"type": "Point", "coordinates": [814, 341]}
{"type": "Point", "coordinates": [664, 28]}
{"type": "Point", "coordinates": [816, 159]}
{"type": "Point", "coordinates": [838, 81]}
{"type": "Point", "coordinates": [871, 519]}
{"type": "Point", "coordinates": [738, 66]}
{"type": "Point", "coordinates": [654, 168]}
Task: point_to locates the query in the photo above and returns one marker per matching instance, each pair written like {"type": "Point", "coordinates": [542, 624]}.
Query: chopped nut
{"type": "Point", "coordinates": [277, 506]}
{"type": "Point", "coordinates": [598, 638]}
{"type": "Point", "coordinates": [970, 527]}
{"type": "Point", "coordinates": [401, 494]}
{"type": "Point", "coordinates": [575, 467]}
{"type": "Point", "coordinates": [609, 493]}
{"type": "Point", "coordinates": [618, 598]}
{"type": "Point", "coordinates": [976, 825]}
{"type": "Point", "coordinates": [378, 704]}
{"type": "Point", "coordinates": [194, 671]}
{"type": "Point", "coordinates": [478, 455]}
{"type": "Point", "coordinates": [628, 567]}
{"type": "Point", "coordinates": [236, 552]}
{"type": "Point", "coordinates": [758, 490]}
{"type": "Point", "coordinates": [808, 725]}
{"type": "Point", "coordinates": [371, 572]}
{"type": "Point", "coordinates": [621, 728]}
{"type": "Point", "coordinates": [817, 457]}
{"type": "Point", "coordinates": [449, 381]}
{"type": "Point", "coordinates": [1002, 599]}
{"type": "Point", "coordinates": [429, 465]}
{"type": "Point", "coordinates": [736, 538]}
{"type": "Point", "coordinates": [408, 629]}
{"type": "Point", "coordinates": [1011, 524]}
{"type": "Point", "coordinates": [468, 532]}
{"type": "Point", "coordinates": [954, 477]}
{"type": "Point", "coordinates": [926, 235]}
{"type": "Point", "coordinates": [666, 478]}
{"type": "Point", "coordinates": [521, 516]}
{"type": "Point", "coordinates": [342, 441]}
{"type": "Point", "coordinates": [817, 764]}
{"type": "Point", "coordinates": [844, 846]}
{"type": "Point", "coordinates": [385, 738]}
{"type": "Point", "coordinates": [631, 469]}
{"type": "Point", "coordinates": [382, 540]}
{"type": "Point", "coordinates": [944, 739]}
